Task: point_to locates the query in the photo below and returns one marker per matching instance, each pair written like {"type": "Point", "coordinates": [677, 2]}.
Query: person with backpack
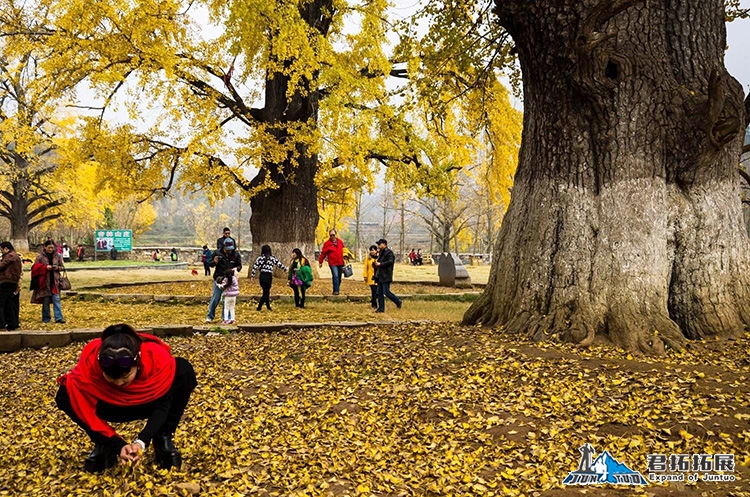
{"type": "Point", "coordinates": [300, 277]}
{"type": "Point", "coordinates": [206, 260]}
{"type": "Point", "coordinates": [265, 263]}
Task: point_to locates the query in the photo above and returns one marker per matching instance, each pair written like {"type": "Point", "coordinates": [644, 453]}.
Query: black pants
{"type": "Point", "coordinates": [374, 296]}
{"type": "Point", "coordinates": [182, 386]}
{"type": "Point", "coordinates": [299, 295]}
{"type": "Point", "coordinates": [9, 306]}
{"type": "Point", "coordinates": [266, 280]}
{"type": "Point", "coordinates": [206, 269]}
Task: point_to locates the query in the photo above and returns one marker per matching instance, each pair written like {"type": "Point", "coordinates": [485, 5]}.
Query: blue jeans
{"type": "Point", "coordinates": [215, 299]}
{"type": "Point", "coordinates": [384, 290]}
{"type": "Point", "coordinates": [56, 306]}
{"type": "Point", "coordinates": [336, 277]}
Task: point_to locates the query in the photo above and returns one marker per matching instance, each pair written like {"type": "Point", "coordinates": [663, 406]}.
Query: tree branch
{"type": "Point", "coordinates": [745, 176]}
{"type": "Point", "coordinates": [42, 208]}
{"type": "Point", "coordinates": [44, 219]}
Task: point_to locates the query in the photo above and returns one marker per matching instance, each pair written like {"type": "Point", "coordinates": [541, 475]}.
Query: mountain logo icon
{"type": "Point", "coordinates": [603, 469]}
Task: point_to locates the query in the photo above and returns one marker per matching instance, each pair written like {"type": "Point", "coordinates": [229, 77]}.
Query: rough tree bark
{"type": "Point", "coordinates": [625, 219]}
{"type": "Point", "coordinates": [286, 216]}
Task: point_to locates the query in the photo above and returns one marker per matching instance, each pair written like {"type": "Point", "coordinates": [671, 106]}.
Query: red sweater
{"type": "Point", "coordinates": [86, 384]}
{"type": "Point", "coordinates": [335, 253]}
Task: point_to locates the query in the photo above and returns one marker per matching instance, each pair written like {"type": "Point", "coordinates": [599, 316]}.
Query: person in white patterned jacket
{"type": "Point", "coordinates": [265, 264]}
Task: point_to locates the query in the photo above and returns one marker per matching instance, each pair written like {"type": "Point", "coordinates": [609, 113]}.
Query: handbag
{"type": "Point", "coordinates": [64, 281]}
{"type": "Point", "coordinates": [296, 281]}
{"type": "Point", "coordinates": [348, 271]}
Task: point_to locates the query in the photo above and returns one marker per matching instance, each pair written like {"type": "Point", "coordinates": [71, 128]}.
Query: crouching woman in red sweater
{"type": "Point", "coordinates": [121, 377]}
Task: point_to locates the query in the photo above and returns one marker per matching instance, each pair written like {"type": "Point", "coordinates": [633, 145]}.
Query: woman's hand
{"type": "Point", "coordinates": [132, 453]}
{"type": "Point", "coordinates": [49, 268]}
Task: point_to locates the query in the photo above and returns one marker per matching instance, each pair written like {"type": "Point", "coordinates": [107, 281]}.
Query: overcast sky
{"type": "Point", "coordinates": [737, 58]}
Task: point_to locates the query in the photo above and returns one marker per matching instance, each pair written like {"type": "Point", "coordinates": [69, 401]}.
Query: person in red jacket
{"type": "Point", "coordinates": [121, 377]}
{"type": "Point", "coordinates": [333, 249]}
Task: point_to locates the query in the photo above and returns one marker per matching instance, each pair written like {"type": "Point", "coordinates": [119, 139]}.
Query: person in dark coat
{"type": "Point", "coordinates": [226, 258]}
{"type": "Point", "coordinates": [11, 269]}
{"type": "Point", "coordinates": [384, 275]}
{"type": "Point", "coordinates": [227, 235]}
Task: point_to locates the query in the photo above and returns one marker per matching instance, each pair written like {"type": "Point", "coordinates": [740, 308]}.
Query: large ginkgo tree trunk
{"type": "Point", "coordinates": [626, 219]}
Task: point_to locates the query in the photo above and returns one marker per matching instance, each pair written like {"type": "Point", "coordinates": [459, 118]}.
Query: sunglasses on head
{"type": "Point", "coordinates": [124, 362]}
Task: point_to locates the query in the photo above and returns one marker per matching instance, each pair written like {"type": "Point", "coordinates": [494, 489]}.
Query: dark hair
{"type": "Point", "coordinates": [205, 247]}
{"type": "Point", "coordinates": [298, 253]}
{"type": "Point", "coordinates": [265, 250]}
{"type": "Point", "coordinates": [228, 274]}
{"type": "Point", "coordinates": [226, 229]}
{"type": "Point", "coordinates": [115, 338]}
{"type": "Point", "coordinates": [49, 242]}
{"type": "Point", "coordinates": [7, 245]}
{"type": "Point", "coordinates": [373, 247]}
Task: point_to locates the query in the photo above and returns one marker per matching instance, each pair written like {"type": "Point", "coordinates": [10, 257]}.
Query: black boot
{"type": "Point", "coordinates": [167, 454]}
{"type": "Point", "coordinates": [101, 458]}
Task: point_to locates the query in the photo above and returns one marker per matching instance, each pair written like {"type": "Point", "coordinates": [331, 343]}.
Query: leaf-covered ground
{"type": "Point", "coordinates": [349, 286]}
{"type": "Point", "coordinates": [400, 410]}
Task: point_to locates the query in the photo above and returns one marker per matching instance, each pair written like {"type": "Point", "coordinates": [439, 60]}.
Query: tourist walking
{"type": "Point", "coordinates": [124, 376]}
{"type": "Point", "coordinates": [231, 288]}
{"type": "Point", "coordinates": [11, 270]}
{"type": "Point", "coordinates": [300, 277]}
{"type": "Point", "coordinates": [333, 250]}
{"type": "Point", "coordinates": [65, 252]}
{"type": "Point", "coordinates": [45, 282]}
{"type": "Point", "coordinates": [384, 275]}
{"type": "Point", "coordinates": [265, 264]}
{"type": "Point", "coordinates": [206, 259]}
{"type": "Point", "coordinates": [369, 275]}
{"type": "Point", "coordinates": [222, 260]}
{"type": "Point", "coordinates": [80, 252]}
{"type": "Point", "coordinates": [226, 235]}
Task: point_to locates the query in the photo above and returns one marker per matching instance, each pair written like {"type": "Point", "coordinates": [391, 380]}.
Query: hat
{"type": "Point", "coordinates": [229, 244]}
{"type": "Point", "coordinates": [383, 241]}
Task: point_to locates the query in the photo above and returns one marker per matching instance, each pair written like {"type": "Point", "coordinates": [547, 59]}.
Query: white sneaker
{"type": "Point", "coordinates": [208, 320]}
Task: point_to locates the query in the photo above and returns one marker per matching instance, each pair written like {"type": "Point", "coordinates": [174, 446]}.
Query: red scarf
{"type": "Point", "coordinates": [86, 384]}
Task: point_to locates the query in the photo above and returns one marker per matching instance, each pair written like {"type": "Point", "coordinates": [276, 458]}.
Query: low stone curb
{"type": "Point", "coordinates": [165, 266]}
{"type": "Point", "coordinates": [192, 299]}
{"type": "Point", "coordinates": [11, 341]}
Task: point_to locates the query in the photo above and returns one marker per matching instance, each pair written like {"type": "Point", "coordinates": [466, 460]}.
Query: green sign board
{"type": "Point", "coordinates": [122, 240]}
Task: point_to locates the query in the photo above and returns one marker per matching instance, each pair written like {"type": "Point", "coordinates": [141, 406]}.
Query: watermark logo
{"type": "Point", "coordinates": [602, 469]}
{"type": "Point", "coordinates": [686, 467]}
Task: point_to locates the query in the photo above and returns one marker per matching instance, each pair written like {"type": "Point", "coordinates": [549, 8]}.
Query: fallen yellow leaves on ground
{"type": "Point", "coordinates": [392, 410]}
{"type": "Point", "coordinates": [94, 313]}
{"type": "Point", "coordinates": [280, 287]}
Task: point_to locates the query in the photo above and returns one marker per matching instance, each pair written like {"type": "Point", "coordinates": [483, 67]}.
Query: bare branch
{"type": "Point", "coordinates": [44, 219]}
{"type": "Point", "coordinates": [745, 176]}
{"type": "Point", "coordinates": [45, 207]}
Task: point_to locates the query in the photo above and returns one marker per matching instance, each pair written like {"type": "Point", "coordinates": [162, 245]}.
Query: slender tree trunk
{"type": "Point", "coordinates": [402, 237]}
{"type": "Point", "coordinates": [357, 221]}
{"type": "Point", "coordinates": [625, 219]}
